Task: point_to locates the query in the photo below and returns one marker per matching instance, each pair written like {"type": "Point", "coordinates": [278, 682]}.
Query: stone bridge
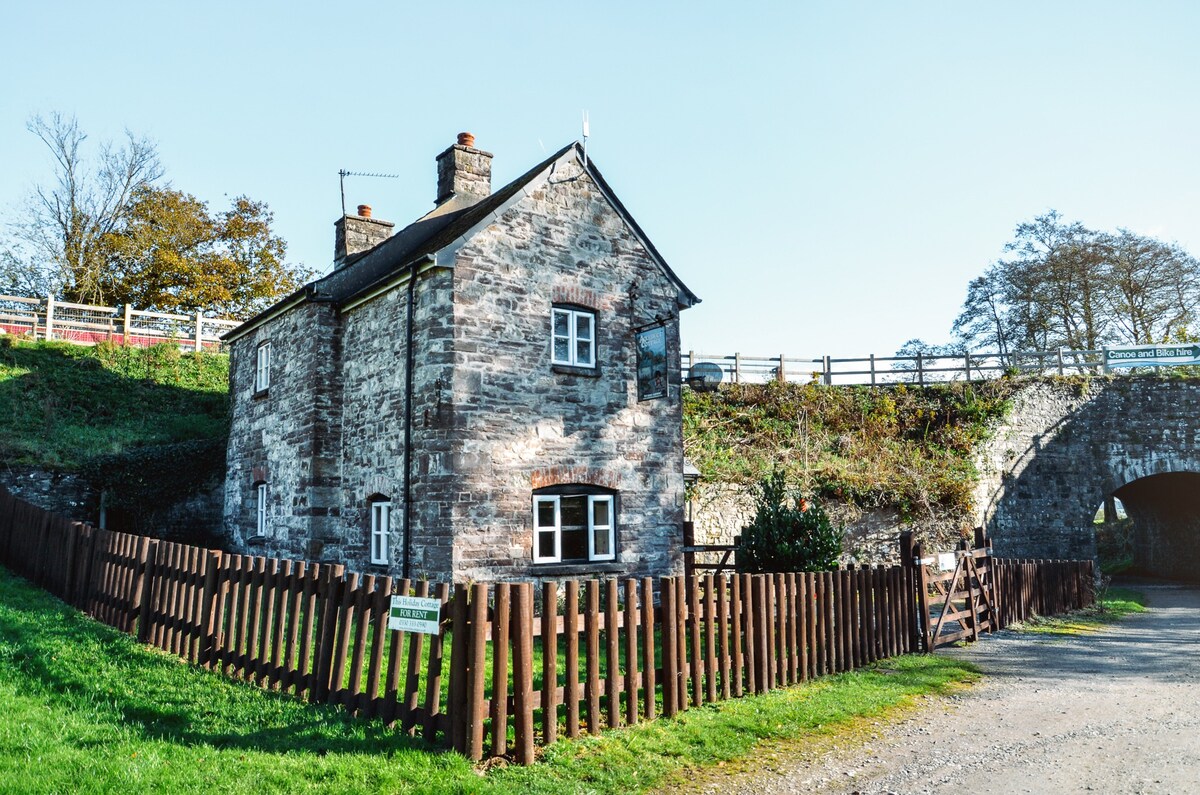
{"type": "Point", "coordinates": [1068, 445]}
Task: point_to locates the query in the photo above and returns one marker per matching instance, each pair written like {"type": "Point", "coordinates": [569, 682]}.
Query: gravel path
{"type": "Point", "coordinates": [1113, 712]}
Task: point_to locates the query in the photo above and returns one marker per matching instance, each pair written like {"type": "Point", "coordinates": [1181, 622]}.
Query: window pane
{"type": "Point", "coordinates": [602, 546]}
{"type": "Point", "coordinates": [562, 350]}
{"type": "Point", "coordinates": [600, 513]}
{"type": "Point", "coordinates": [583, 353]}
{"type": "Point", "coordinates": [545, 513]}
{"type": "Point", "coordinates": [562, 323]}
{"type": "Point", "coordinates": [574, 544]}
{"type": "Point", "coordinates": [545, 545]}
{"type": "Point", "coordinates": [574, 512]}
{"type": "Point", "coordinates": [583, 326]}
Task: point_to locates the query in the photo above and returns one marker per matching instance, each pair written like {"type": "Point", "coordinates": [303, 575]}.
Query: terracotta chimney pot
{"type": "Point", "coordinates": [364, 211]}
{"type": "Point", "coordinates": [466, 139]}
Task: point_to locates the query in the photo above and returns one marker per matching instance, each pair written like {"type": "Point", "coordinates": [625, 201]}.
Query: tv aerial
{"type": "Point", "coordinates": [343, 173]}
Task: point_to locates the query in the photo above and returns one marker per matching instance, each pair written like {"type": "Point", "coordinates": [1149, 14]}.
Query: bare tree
{"type": "Point", "coordinates": [1154, 287]}
{"type": "Point", "coordinates": [59, 239]}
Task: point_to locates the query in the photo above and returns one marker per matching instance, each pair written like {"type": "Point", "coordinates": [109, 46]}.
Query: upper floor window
{"type": "Point", "coordinates": [261, 520]}
{"type": "Point", "coordinates": [573, 337]}
{"type": "Point", "coordinates": [381, 525]}
{"type": "Point", "coordinates": [262, 367]}
{"type": "Point", "coordinates": [574, 527]}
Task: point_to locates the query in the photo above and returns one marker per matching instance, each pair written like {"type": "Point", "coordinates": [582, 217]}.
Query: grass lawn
{"type": "Point", "coordinates": [1114, 604]}
{"type": "Point", "coordinates": [85, 708]}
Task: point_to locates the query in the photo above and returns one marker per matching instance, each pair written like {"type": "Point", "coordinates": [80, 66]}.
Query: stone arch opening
{"type": "Point", "coordinates": [1164, 517]}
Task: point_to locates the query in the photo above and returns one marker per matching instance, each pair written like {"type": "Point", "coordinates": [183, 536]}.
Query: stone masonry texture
{"type": "Point", "coordinates": [492, 419]}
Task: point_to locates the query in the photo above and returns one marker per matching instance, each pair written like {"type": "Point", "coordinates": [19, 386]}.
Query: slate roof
{"type": "Point", "coordinates": [368, 270]}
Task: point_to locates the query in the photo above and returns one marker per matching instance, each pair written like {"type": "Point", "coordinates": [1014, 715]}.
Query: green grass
{"type": "Point", "coordinates": [86, 708]}
{"type": "Point", "coordinates": [61, 404]}
{"type": "Point", "coordinates": [1115, 604]}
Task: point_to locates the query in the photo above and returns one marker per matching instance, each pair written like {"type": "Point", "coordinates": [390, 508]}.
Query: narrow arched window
{"type": "Point", "coordinates": [381, 528]}
{"type": "Point", "coordinates": [261, 519]}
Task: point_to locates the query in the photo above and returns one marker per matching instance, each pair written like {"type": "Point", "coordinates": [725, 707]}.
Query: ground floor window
{"type": "Point", "coordinates": [261, 524]}
{"type": "Point", "coordinates": [381, 525]}
{"type": "Point", "coordinates": [573, 527]}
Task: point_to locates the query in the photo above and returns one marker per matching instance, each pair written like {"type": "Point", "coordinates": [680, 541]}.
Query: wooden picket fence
{"type": "Point", "coordinates": [513, 668]}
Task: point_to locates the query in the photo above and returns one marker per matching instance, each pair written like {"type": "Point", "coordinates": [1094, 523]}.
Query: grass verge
{"type": "Point", "coordinates": [87, 708]}
{"type": "Point", "coordinates": [1116, 603]}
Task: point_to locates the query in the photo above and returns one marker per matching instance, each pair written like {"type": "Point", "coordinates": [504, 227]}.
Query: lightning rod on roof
{"type": "Point", "coordinates": [585, 136]}
{"type": "Point", "coordinates": [343, 173]}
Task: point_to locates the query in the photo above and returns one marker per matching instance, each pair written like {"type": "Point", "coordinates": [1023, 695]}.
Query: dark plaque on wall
{"type": "Point", "coordinates": [652, 363]}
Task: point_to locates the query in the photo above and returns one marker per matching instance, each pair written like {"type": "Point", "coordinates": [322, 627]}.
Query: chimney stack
{"type": "Point", "coordinates": [355, 233]}
{"type": "Point", "coordinates": [464, 171]}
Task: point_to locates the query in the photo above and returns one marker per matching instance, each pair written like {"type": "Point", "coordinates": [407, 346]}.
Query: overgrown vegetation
{"type": "Point", "coordinates": [902, 446]}
{"type": "Point", "coordinates": [63, 404]}
{"type": "Point", "coordinates": [86, 707]}
{"type": "Point", "coordinates": [788, 533]}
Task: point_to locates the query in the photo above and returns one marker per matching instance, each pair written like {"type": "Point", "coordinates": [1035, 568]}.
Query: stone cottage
{"type": "Point", "coordinates": [490, 393]}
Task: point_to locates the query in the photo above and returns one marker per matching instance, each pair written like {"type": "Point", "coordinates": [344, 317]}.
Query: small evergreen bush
{"type": "Point", "coordinates": [788, 533]}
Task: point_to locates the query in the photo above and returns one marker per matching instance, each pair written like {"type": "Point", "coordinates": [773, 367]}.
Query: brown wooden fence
{"type": "Point", "coordinates": [513, 668]}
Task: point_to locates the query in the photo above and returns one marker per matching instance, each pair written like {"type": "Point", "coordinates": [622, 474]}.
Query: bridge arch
{"type": "Point", "coordinates": [1068, 444]}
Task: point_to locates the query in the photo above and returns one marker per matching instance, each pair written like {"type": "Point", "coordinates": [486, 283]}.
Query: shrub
{"type": "Point", "coordinates": [789, 532]}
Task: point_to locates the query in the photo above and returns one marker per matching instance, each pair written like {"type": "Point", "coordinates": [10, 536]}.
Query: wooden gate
{"type": "Point", "coordinates": [963, 598]}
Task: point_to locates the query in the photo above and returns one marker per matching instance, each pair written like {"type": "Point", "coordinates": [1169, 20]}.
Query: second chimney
{"type": "Point", "coordinates": [355, 233]}
{"type": "Point", "coordinates": [464, 171]}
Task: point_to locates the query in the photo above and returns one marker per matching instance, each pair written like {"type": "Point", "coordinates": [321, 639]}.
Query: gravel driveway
{"type": "Point", "coordinates": [1117, 711]}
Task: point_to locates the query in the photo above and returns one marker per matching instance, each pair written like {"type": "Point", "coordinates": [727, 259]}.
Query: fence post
{"type": "Point", "coordinates": [737, 368]}
{"type": "Point", "coordinates": [780, 375]}
{"type": "Point", "coordinates": [523, 705]}
{"type": "Point", "coordinates": [458, 669]}
{"type": "Point", "coordinates": [476, 669]}
{"type": "Point", "coordinates": [872, 369]}
{"type": "Point", "coordinates": [827, 369]}
{"type": "Point", "coordinates": [967, 359]}
{"type": "Point", "coordinates": [49, 318]}
{"type": "Point", "coordinates": [126, 324]}
{"type": "Point", "coordinates": [199, 330]}
{"type": "Point", "coordinates": [922, 598]}
{"type": "Point", "coordinates": [920, 369]}
{"type": "Point", "coordinates": [147, 555]}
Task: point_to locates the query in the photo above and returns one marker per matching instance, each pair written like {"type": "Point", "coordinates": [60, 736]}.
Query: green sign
{"type": "Point", "coordinates": [415, 614]}
{"type": "Point", "coordinates": [1152, 355]}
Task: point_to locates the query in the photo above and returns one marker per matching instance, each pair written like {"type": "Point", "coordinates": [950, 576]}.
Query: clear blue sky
{"type": "Point", "coordinates": [826, 176]}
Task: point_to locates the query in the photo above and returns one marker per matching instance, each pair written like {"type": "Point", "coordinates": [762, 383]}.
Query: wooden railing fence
{"type": "Point", "coordinates": [87, 324]}
{"type": "Point", "coordinates": [921, 369]}
{"type": "Point", "coordinates": [514, 667]}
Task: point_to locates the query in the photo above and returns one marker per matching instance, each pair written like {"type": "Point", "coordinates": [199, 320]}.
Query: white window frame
{"type": "Point", "coordinates": [381, 527]}
{"type": "Point", "coordinates": [592, 527]}
{"type": "Point", "coordinates": [261, 518]}
{"type": "Point", "coordinates": [572, 337]}
{"type": "Point", "coordinates": [556, 529]}
{"type": "Point", "coordinates": [262, 367]}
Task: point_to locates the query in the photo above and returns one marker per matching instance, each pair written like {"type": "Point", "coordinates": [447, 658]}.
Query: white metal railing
{"type": "Point", "coordinates": [86, 324]}
{"type": "Point", "coordinates": [739, 368]}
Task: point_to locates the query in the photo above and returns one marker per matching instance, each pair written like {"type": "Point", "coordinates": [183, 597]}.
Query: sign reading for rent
{"type": "Point", "coordinates": [415, 614]}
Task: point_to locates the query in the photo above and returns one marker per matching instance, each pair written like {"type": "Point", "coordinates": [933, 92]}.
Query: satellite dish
{"type": "Point", "coordinates": [705, 376]}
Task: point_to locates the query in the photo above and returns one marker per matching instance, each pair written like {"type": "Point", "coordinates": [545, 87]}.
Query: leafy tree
{"type": "Point", "coordinates": [788, 533]}
{"type": "Point", "coordinates": [173, 255]}
{"type": "Point", "coordinates": [106, 232]}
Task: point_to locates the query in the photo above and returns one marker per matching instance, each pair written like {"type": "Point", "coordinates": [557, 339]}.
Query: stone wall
{"type": "Point", "coordinates": [720, 511]}
{"type": "Point", "coordinates": [518, 418]}
{"type": "Point", "coordinates": [1068, 444]}
{"type": "Point", "coordinates": [287, 437]}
